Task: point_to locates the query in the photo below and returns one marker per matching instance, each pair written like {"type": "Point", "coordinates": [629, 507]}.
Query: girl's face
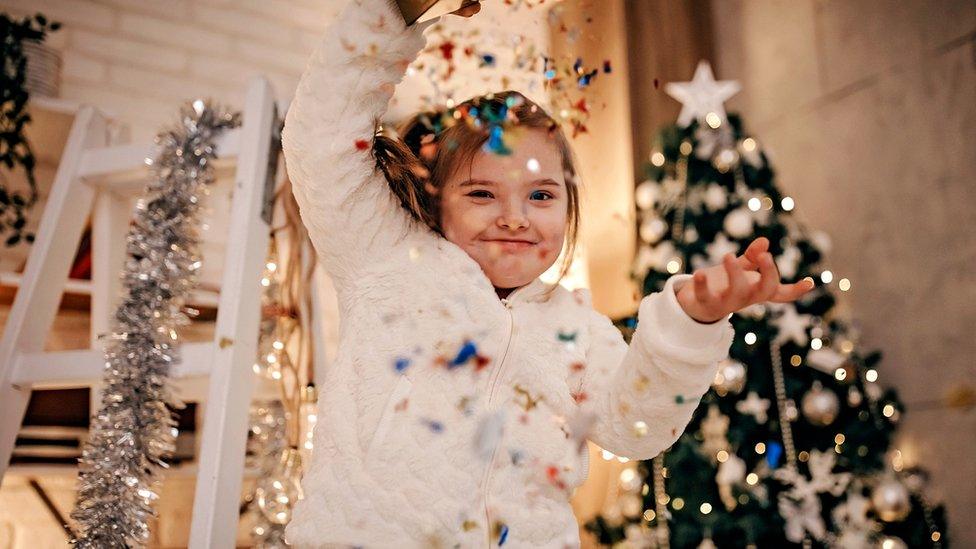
{"type": "Point", "coordinates": [510, 212]}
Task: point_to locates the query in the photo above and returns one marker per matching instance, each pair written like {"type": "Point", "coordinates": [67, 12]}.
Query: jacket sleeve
{"type": "Point", "coordinates": [644, 394]}
{"type": "Point", "coordinates": [345, 201]}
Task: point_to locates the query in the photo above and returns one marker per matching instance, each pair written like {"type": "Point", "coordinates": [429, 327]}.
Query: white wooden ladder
{"type": "Point", "coordinates": [96, 179]}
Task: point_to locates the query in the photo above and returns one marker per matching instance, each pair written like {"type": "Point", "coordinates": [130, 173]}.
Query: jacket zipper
{"type": "Point", "coordinates": [491, 393]}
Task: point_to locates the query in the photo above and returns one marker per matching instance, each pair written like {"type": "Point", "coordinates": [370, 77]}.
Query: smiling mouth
{"type": "Point", "coordinates": [512, 245]}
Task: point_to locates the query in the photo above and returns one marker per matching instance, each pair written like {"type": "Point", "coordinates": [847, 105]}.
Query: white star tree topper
{"type": "Point", "coordinates": [702, 95]}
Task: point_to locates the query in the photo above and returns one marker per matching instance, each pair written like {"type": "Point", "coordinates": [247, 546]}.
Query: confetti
{"type": "Point", "coordinates": [362, 145]}
{"type": "Point", "coordinates": [434, 425]}
{"type": "Point", "coordinates": [501, 530]}
{"type": "Point", "coordinates": [529, 402]}
{"type": "Point", "coordinates": [468, 350]}
{"type": "Point", "coordinates": [488, 434]}
{"type": "Point", "coordinates": [774, 451]}
{"type": "Point", "coordinates": [516, 456]}
{"type": "Point", "coordinates": [552, 473]}
{"type": "Point", "coordinates": [401, 364]}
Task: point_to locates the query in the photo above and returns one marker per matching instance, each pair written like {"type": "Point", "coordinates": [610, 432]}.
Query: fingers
{"type": "Point", "coordinates": [737, 292]}
{"type": "Point", "coordinates": [786, 293]}
{"type": "Point", "coordinates": [768, 279]}
{"type": "Point", "coordinates": [703, 295]}
{"type": "Point", "coordinates": [751, 257]}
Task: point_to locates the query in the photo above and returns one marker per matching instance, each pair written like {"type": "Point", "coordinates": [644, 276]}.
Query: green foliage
{"type": "Point", "coordinates": [14, 148]}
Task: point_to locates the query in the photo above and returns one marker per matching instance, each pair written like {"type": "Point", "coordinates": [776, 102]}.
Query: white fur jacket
{"type": "Point", "coordinates": [451, 418]}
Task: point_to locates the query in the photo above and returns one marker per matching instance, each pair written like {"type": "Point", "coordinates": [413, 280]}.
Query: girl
{"type": "Point", "coordinates": [464, 388]}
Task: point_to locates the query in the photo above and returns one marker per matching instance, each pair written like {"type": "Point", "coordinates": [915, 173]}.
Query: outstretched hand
{"type": "Point", "coordinates": [719, 290]}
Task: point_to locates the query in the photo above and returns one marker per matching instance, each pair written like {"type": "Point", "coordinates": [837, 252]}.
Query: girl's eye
{"type": "Point", "coordinates": [542, 193]}
{"type": "Point", "coordinates": [478, 194]}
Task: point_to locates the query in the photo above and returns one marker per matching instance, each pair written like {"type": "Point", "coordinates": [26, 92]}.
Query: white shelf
{"type": "Point", "coordinates": [198, 298]}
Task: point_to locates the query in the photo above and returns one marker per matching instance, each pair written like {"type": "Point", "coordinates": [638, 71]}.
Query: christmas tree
{"type": "Point", "coordinates": [792, 446]}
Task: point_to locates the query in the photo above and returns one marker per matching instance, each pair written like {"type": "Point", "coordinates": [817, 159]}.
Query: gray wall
{"type": "Point", "coordinates": [869, 110]}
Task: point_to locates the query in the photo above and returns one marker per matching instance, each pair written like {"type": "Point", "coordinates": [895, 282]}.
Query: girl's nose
{"type": "Point", "coordinates": [513, 218]}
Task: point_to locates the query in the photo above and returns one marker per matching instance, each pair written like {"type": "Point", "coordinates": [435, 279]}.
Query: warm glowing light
{"type": "Point", "coordinates": [750, 338]}
{"type": "Point", "coordinates": [627, 475]}
{"type": "Point", "coordinates": [706, 508]}
{"type": "Point", "coordinates": [787, 204]}
{"type": "Point", "coordinates": [871, 375]}
{"type": "Point", "coordinates": [657, 158]}
{"type": "Point", "coordinates": [754, 204]}
{"type": "Point", "coordinates": [760, 448]}
{"type": "Point", "coordinates": [844, 284]}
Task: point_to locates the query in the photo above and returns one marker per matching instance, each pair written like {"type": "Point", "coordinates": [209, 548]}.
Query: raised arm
{"type": "Point", "coordinates": [644, 394]}
{"type": "Point", "coordinates": [351, 214]}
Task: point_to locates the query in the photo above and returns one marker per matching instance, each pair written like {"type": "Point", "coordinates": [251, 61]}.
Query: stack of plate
{"type": "Point", "coordinates": [43, 69]}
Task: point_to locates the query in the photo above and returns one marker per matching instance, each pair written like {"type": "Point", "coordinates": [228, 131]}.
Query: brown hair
{"type": "Point", "coordinates": [432, 145]}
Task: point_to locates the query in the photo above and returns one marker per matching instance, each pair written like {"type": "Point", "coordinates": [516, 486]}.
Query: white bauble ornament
{"type": "Point", "coordinates": [738, 223]}
{"type": "Point", "coordinates": [730, 378]}
{"type": "Point", "coordinates": [820, 406]}
{"type": "Point", "coordinates": [891, 500]}
{"type": "Point", "coordinates": [716, 197]}
{"type": "Point", "coordinates": [652, 229]}
{"type": "Point", "coordinates": [646, 194]}
{"type": "Point", "coordinates": [631, 505]}
{"type": "Point", "coordinates": [891, 542]}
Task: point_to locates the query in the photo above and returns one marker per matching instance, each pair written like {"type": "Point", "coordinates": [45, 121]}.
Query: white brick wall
{"type": "Point", "coordinates": [139, 59]}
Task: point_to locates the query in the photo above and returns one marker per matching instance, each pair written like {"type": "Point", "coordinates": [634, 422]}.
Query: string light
{"type": "Point", "coordinates": [657, 159]}
{"type": "Point", "coordinates": [844, 284]}
{"type": "Point", "coordinates": [706, 508]}
{"type": "Point", "coordinates": [713, 120]}
{"type": "Point", "coordinates": [871, 375]}
{"type": "Point", "coordinates": [826, 277]}
{"type": "Point", "coordinates": [750, 338]}
{"type": "Point", "coordinates": [760, 448]}
{"type": "Point", "coordinates": [787, 204]}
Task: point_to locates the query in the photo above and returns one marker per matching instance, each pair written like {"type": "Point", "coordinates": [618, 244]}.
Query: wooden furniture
{"type": "Point", "coordinates": [97, 179]}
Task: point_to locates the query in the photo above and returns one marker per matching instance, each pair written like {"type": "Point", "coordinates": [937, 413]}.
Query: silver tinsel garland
{"type": "Point", "coordinates": [134, 429]}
